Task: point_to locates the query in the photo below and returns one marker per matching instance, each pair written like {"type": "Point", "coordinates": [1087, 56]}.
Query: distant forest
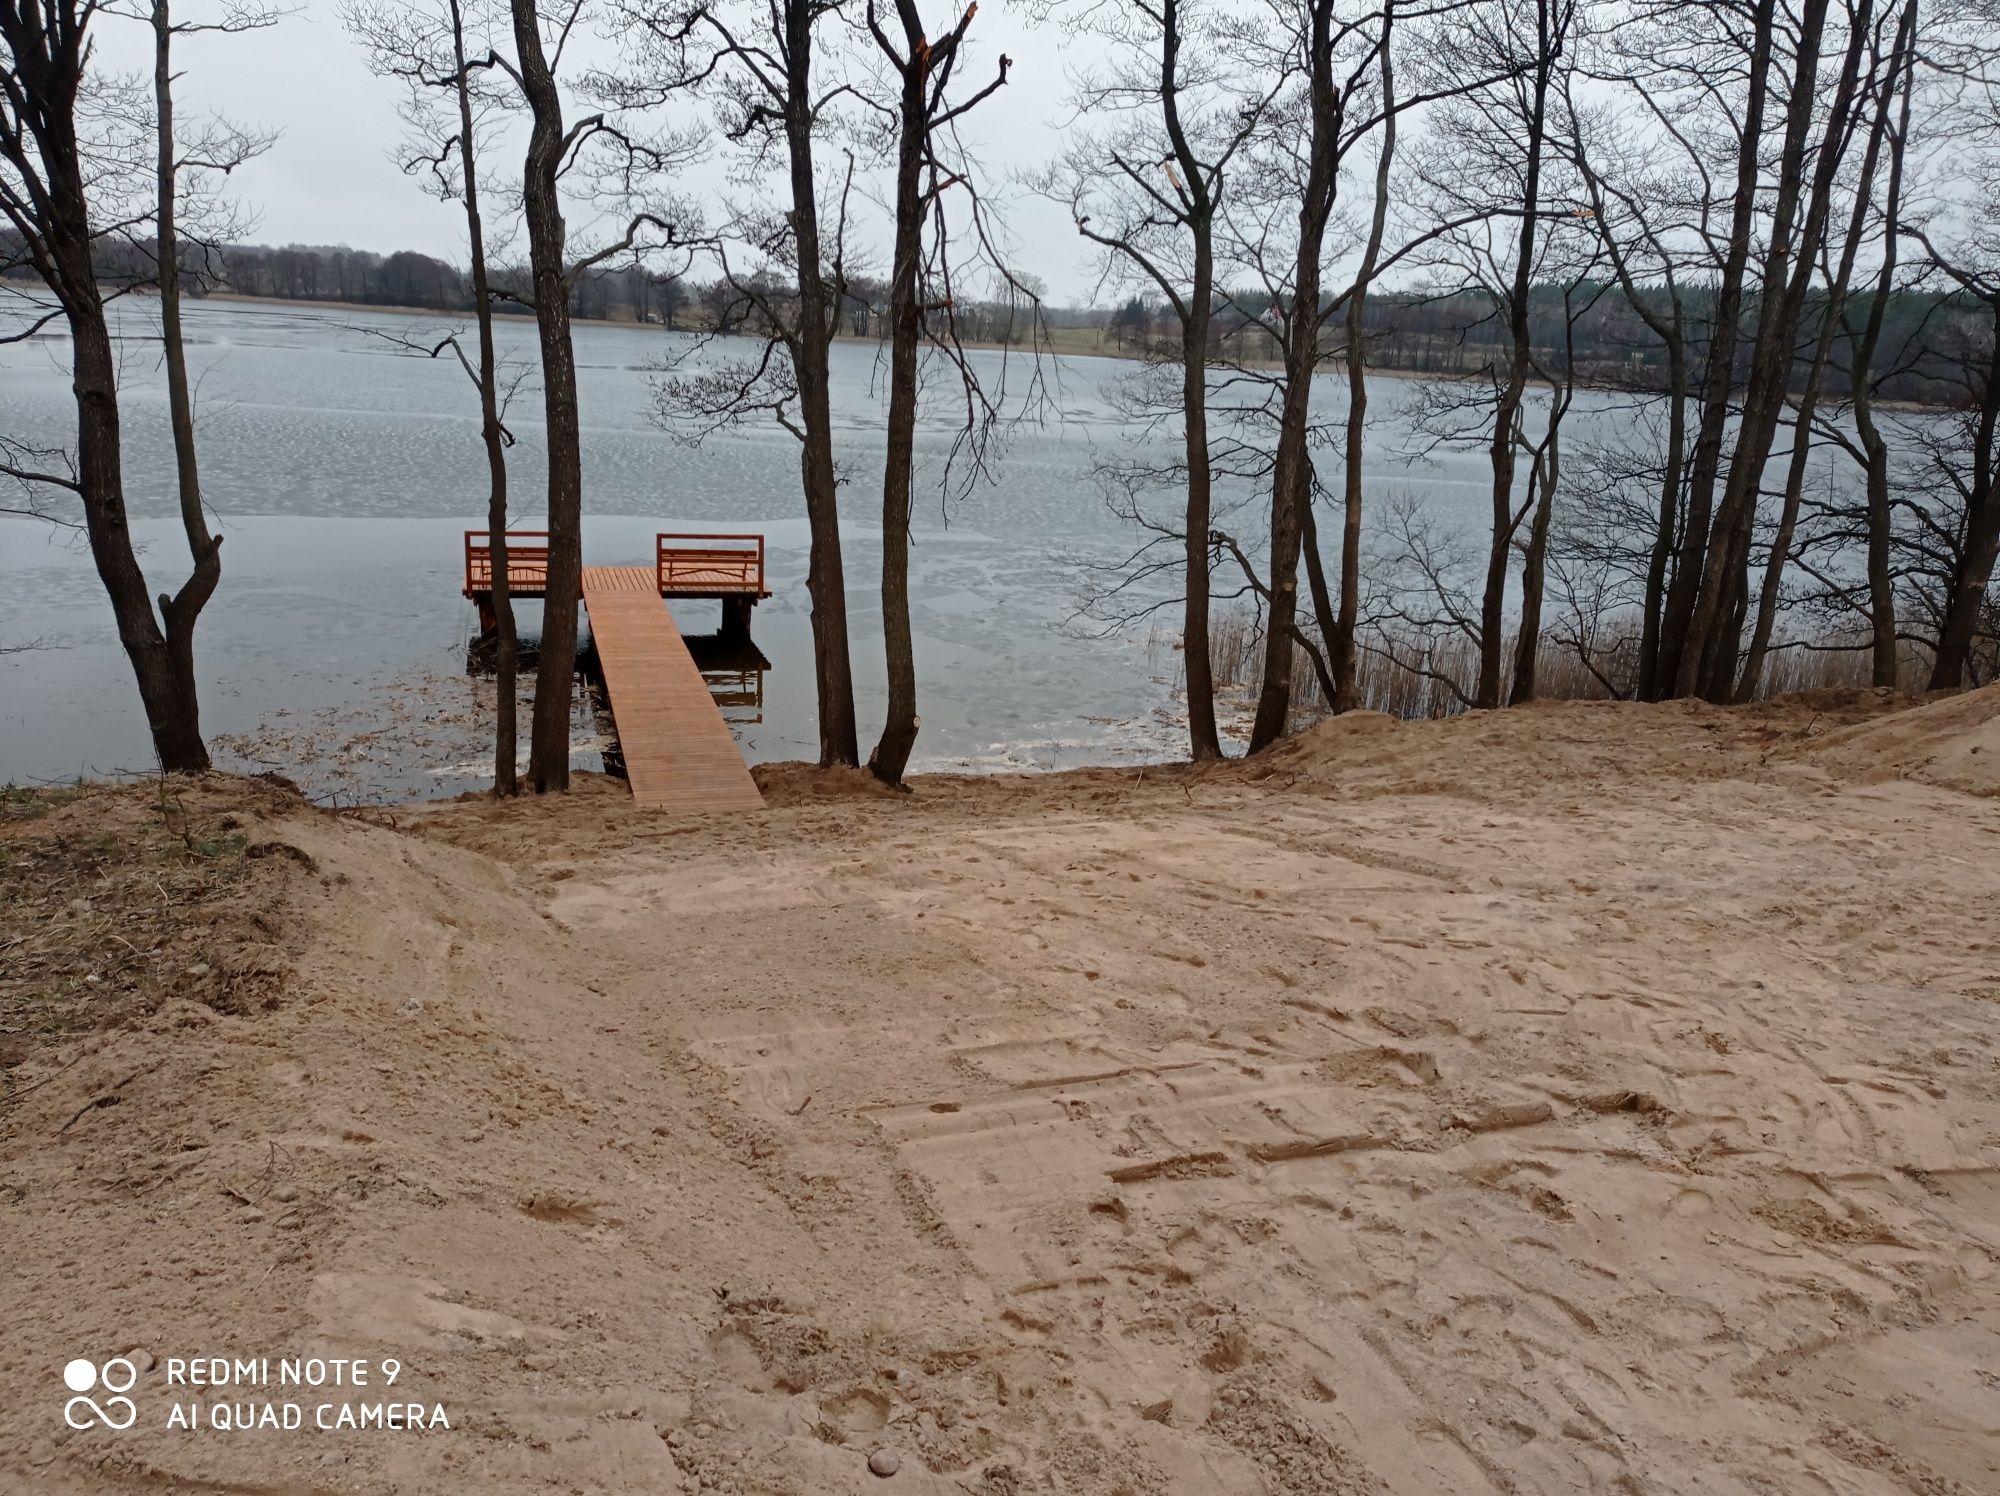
{"type": "Point", "coordinates": [1925, 340]}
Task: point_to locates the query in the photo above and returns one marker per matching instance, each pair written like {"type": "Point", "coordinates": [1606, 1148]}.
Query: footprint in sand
{"type": "Point", "coordinates": [860, 1410]}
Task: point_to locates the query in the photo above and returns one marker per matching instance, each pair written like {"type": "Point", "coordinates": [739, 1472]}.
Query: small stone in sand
{"type": "Point", "coordinates": [884, 1463]}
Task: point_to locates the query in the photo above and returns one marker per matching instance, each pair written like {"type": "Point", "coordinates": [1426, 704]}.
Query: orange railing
{"type": "Point", "coordinates": [710, 565]}
{"type": "Point", "coordinates": [699, 565]}
{"type": "Point", "coordinates": [527, 561]}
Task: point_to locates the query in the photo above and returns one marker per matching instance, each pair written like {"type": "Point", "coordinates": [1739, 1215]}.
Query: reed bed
{"type": "Point", "coordinates": [1417, 678]}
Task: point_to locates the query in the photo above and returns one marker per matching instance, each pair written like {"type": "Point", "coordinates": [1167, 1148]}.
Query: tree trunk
{"type": "Point", "coordinates": [826, 582]}
{"type": "Point", "coordinates": [1970, 580]}
{"type": "Point", "coordinates": [1708, 660]}
{"type": "Point", "coordinates": [548, 753]}
{"type": "Point", "coordinates": [1780, 553]}
{"type": "Point", "coordinates": [1507, 409]}
{"type": "Point", "coordinates": [1705, 465]}
{"type": "Point", "coordinates": [1881, 586]}
{"type": "Point", "coordinates": [1534, 573]}
{"type": "Point", "coordinates": [1203, 743]}
{"type": "Point", "coordinates": [1830, 325]}
{"type": "Point", "coordinates": [1500, 545]}
{"type": "Point", "coordinates": [1322, 599]}
{"type": "Point", "coordinates": [42, 188]}
{"type": "Point", "coordinates": [170, 709]}
{"type": "Point", "coordinates": [1974, 571]}
{"type": "Point", "coordinates": [506, 641]}
{"type": "Point", "coordinates": [1289, 482]}
{"type": "Point", "coordinates": [180, 611]}
{"type": "Point", "coordinates": [900, 723]}
{"type": "Point", "coordinates": [1197, 665]}
{"type": "Point", "coordinates": [1274, 700]}
{"type": "Point", "coordinates": [1343, 648]}
{"type": "Point", "coordinates": [1658, 563]}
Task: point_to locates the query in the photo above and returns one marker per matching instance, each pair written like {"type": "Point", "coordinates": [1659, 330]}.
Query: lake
{"type": "Point", "coordinates": [343, 468]}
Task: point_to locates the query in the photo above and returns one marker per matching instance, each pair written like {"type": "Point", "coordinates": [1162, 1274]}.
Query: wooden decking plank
{"type": "Point", "coordinates": [679, 754]}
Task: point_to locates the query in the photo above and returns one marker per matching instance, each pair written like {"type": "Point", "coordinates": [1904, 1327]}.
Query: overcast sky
{"type": "Point", "coordinates": [330, 178]}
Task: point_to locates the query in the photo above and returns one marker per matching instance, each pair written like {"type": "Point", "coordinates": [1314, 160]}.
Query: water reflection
{"type": "Point", "coordinates": [591, 668]}
{"type": "Point", "coordinates": [734, 668]}
{"type": "Point", "coordinates": [482, 653]}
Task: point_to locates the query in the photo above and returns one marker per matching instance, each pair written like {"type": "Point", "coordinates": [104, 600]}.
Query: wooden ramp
{"type": "Point", "coordinates": [678, 751]}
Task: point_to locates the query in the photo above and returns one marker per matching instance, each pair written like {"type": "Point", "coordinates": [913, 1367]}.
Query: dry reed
{"type": "Point", "coordinates": [1413, 677]}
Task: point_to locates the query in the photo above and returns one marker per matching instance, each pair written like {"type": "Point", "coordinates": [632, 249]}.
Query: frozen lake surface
{"type": "Point", "coordinates": [342, 468]}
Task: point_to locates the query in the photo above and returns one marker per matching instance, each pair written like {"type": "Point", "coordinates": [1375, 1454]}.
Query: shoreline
{"type": "Point", "coordinates": [1126, 355]}
{"type": "Point", "coordinates": [1332, 368]}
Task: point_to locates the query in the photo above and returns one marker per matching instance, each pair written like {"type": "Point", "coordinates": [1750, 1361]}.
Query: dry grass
{"type": "Point", "coordinates": [114, 898]}
{"type": "Point", "coordinates": [1407, 678]}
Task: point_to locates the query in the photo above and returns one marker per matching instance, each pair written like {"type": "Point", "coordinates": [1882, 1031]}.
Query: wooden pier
{"type": "Point", "coordinates": [679, 755]}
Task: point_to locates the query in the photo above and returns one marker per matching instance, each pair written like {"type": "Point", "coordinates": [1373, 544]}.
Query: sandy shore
{"type": "Point", "coordinates": [1581, 1098]}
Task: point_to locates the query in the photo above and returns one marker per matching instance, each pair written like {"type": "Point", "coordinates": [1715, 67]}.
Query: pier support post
{"type": "Point", "coordinates": [736, 619]}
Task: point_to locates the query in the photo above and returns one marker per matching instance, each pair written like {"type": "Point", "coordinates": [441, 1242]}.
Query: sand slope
{"type": "Point", "coordinates": [1953, 742]}
{"type": "Point", "coordinates": [1568, 1099]}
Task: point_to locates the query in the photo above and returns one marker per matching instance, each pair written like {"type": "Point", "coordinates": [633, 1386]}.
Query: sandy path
{"type": "Point", "coordinates": [1581, 1100]}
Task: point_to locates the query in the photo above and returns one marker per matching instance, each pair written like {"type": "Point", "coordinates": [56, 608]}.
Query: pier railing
{"type": "Point", "coordinates": [527, 561]}
{"type": "Point", "coordinates": [684, 565]}
{"type": "Point", "coordinates": [710, 565]}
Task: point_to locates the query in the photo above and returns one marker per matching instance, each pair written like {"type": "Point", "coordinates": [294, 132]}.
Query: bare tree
{"type": "Point", "coordinates": [1893, 87]}
{"type": "Point", "coordinates": [1320, 45]}
{"type": "Point", "coordinates": [554, 152]}
{"type": "Point", "coordinates": [1147, 191]}
{"type": "Point", "coordinates": [218, 150]}
{"type": "Point", "coordinates": [1799, 214]}
{"type": "Point", "coordinates": [1961, 453]}
{"type": "Point", "coordinates": [424, 44]}
{"type": "Point", "coordinates": [760, 65]}
{"type": "Point", "coordinates": [548, 145]}
{"type": "Point", "coordinates": [1498, 137]}
{"type": "Point", "coordinates": [1884, 126]}
{"type": "Point", "coordinates": [1675, 32]}
{"type": "Point", "coordinates": [1340, 93]}
{"type": "Point", "coordinates": [1340, 640]}
{"type": "Point", "coordinates": [925, 170]}
{"type": "Point", "coordinates": [72, 146]}
{"type": "Point", "coordinates": [1646, 192]}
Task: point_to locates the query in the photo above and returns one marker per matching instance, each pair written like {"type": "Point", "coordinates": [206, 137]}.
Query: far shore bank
{"type": "Point", "coordinates": [1063, 342]}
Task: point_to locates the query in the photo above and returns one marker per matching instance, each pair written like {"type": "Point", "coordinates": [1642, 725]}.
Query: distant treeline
{"type": "Point", "coordinates": [407, 278]}
{"type": "Point", "coordinates": [303, 272]}
{"type": "Point", "coordinates": [1923, 339]}
{"type": "Point", "coordinates": [1450, 335]}
{"type": "Point", "coordinates": [1406, 330]}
